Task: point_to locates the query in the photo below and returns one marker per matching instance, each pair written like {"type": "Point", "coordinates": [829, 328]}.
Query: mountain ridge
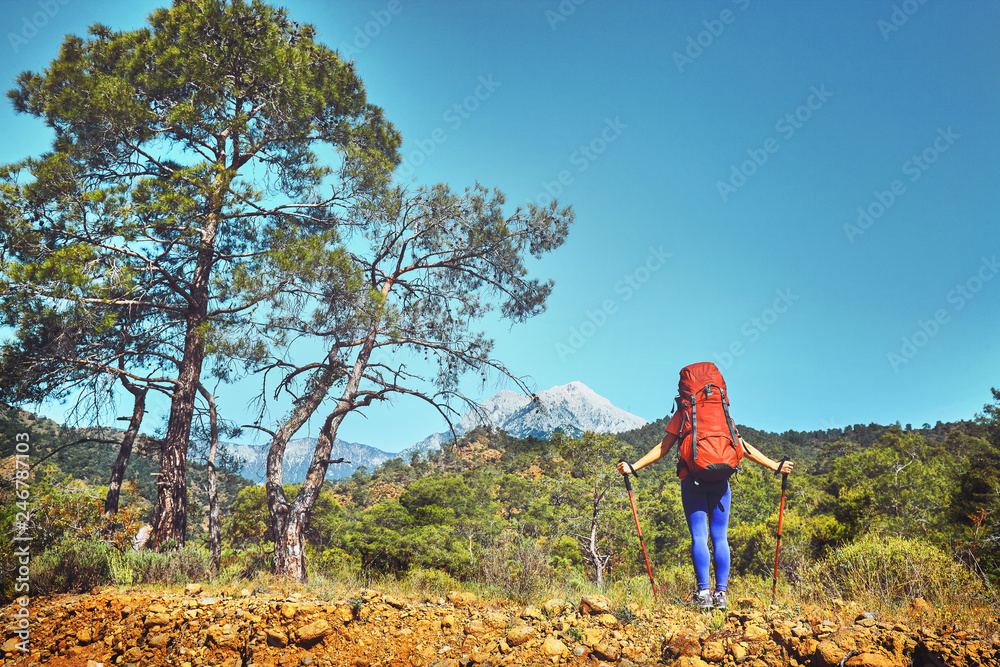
{"type": "Point", "coordinates": [572, 408]}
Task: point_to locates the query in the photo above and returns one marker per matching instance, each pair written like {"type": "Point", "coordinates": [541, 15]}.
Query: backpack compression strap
{"type": "Point", "coordinates": [694, 417]}
{"type": "Point", "coordinates": [729, 420]}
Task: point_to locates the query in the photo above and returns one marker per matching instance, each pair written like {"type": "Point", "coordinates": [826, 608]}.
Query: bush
{"type": "Point", "coordinates": [76, 565]}
{"type": "Point", "coordinates": [433, 581]}
{"type": "Point", "coordinates": [337, 563]}
{"type": "Point", "coordinates": [180, 566]}
{"type": "Point", "coordinates": [72, 565]}
{"type": "Point", "coordinates": [886, 571]}
{"type": "Point", "coordinates": [514, 566]}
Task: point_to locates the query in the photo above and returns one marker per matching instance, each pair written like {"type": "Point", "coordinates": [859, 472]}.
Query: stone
{"type": "Point", "coordinates": [224, 637]}
{"type": "Point", "coordinates": [552, 646]}
{"type": "Point", "coordinates": [691, 661]}
{"type": "Point", "coordinates": [159, 641]}
{"type": "Point", "coordinates": [828, 653]}
{"type": "Point", "coordinates": [85, 636]}
{"type": "Point", "coordinates": [520, 634]}
{"type": "Point", "coordinates": [807, 647]}
{"type": "Point", "coordinates": [871, 660]}
{"type": "Point", "coordinates": [801, 631]}
{"type": "Point", "coordinates": [394, 602]}
{"type": "Point", "coordinates": [531, 612]}
{"type": "Point", "coordinates": [193, 589]}
{"type": "Point", "coordinates": [314, 632]}
{"type": "Point", "coordinates": [475, 627]}
{"type": "Point", "coordinates": [461, 598]}
{"type": "Point", "coordinates": [496, 619]}
{"type": "Point", "coordinates": [607, 652]}
{"type": "Point", "coordinates": [162, 619]}
{"type": "Point", "coordinates": [740, 654]}
{"type": "Point", "coordinates": [714, 651]}
{"type": "Point", "coordinates": [553, 607]}
{"type": "Point", "coordinates": [608, 620]}
{"type": "Point", "coordinates": [288, 610]}
{"type": "Point", "coordinates": [754, 633]}
{"type": "Point", "coordinates": [343, 614]}
{"type": "Point", "coordinates": [595, 605]}
{"type": "Point", "coordinates": [276, 638]}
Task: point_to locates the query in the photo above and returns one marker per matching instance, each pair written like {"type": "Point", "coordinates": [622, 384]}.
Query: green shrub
{"type": "Point", "coordinates": [887, 571]}
{"type": "Point", "coordinates": [433, 581]}
{"type": "Point", "coordinates": [72, 565]}
{"type": "Point", "coordinates": [675, 582]}
{"type": "Point", "coordinates": [514, 566]}
{"type": "Point", "coordinates": [180, 566]}
{"type": "Point", "coordinates": [337, 563]}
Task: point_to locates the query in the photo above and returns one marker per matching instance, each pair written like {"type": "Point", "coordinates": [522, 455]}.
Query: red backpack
{"type": "Point", "coordinates": [710, 444]}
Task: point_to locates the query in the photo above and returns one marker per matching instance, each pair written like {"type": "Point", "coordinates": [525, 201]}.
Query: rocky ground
{"type": "Point", "coordinates": [369, 628]}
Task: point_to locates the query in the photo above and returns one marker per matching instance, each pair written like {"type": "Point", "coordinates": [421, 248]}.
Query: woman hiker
{"type": "Point", "coordinates": [706, 506]}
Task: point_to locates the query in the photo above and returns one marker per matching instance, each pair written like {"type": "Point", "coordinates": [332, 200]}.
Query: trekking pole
{"type": "Point", "coordinates": [781, 515]}
{"type": "Point", "coordinates": [635, 515]}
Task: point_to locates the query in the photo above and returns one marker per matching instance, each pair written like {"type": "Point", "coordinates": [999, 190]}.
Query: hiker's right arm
{"type": "Point", "coordinates": [652, 456]}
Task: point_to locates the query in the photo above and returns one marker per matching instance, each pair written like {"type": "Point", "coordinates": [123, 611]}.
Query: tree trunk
{"type": "Point", "coordinates": [170, 522]}
{"type": "Point", "coordinates": [288, 552]}
{"type": "Point", "coordinates": [125, 450]}
{"type": "Point", "coordinates": [289, 540]}
{"type": "Point", "coordinates": [214, 533]}
{"type": "Point", "coordinates": [289, 556]}
{"type": "Point", "coordinates": [595, 556]}
{"type": "Point", "coordinates": [599, 561]}
{"type": "Point", "coordinates": [289, 547]}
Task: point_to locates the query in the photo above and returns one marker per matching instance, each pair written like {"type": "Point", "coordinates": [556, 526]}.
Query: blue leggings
{"type": "Point", "coordinates": [707, 514]}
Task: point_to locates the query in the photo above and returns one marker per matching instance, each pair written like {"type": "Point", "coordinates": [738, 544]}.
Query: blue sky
{"type": "Point", "coordinates": [803, 192]}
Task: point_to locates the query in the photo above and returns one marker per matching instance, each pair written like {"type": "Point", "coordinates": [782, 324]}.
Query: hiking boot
{"type": "Point", "coordinates": [702, 599]}
{"type": "Point", "coordinates": [719, 600]}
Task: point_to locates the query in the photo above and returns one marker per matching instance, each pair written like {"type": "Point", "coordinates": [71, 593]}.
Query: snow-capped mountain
{"type": "Point", "coordinates": [571, 408]}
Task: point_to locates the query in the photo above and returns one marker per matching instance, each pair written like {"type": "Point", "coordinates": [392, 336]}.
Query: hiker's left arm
{"type": "Point", "coordinates": [757, 457]}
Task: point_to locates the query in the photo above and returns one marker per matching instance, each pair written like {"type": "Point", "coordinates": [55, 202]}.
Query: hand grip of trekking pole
{"type": "Point", "coordinates": [628, 482]}
{"type": "Point", "coordinates": [784, 475]}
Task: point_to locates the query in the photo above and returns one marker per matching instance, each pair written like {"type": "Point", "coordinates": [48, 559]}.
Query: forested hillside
{"type": "Point", "coordinates": [523, 515]}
